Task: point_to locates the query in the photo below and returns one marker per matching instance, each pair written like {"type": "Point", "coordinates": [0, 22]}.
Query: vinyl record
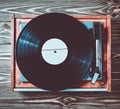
{"type": "Point", "coordinates": [54, 51]}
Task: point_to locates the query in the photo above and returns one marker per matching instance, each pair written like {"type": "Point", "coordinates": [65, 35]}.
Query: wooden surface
{"type": "Point", "coordinates": [82, 100]}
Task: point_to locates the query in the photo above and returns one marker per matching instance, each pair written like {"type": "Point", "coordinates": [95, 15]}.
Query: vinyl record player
{"type": "Point", "coordinates": [98, 76]}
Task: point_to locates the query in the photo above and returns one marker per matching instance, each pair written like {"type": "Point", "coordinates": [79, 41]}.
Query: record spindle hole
{"type": "Point", "coordinates": [55, 51]}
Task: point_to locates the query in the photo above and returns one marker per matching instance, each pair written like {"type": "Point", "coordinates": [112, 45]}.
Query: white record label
{"type": "Point", "coordinates": [54, 51]}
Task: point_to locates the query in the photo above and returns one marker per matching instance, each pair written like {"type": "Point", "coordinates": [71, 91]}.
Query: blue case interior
{"type": "Point", "coordinates": [89, 25]}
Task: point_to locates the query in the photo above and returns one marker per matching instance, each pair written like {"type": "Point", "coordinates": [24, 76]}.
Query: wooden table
{"type": "Point", "coordinates": [36, 100]}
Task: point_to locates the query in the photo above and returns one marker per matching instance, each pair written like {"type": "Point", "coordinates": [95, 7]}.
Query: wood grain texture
{"type": "Point", "coordinates": [32, 100]}
{"type": "Point", "coordinates": [84, 7]}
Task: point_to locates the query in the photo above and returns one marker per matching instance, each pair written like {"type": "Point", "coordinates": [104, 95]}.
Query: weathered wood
{"type": "Point", "coordinates": [83, 7]}
{"type": "Point", "coordinates": [94, 100]}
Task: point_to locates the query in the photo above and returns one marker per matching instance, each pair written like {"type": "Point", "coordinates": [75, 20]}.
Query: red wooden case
{"type": "Point", "coordinates": [100, 85]}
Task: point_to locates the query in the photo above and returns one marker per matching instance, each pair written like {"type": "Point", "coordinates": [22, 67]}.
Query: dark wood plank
{"type": "Point", "coordinates": [94, 100]}
{"type": "Point", "coordinates": [83, 7]}
{"type": "Point", "coordinates": [115, 46]}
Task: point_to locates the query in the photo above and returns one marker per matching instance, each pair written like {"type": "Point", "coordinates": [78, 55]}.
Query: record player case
{"type": "Point", "coordinates": [103, 83]}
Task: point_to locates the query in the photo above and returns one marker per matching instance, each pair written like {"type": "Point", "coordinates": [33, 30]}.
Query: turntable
{"type": "Point", "coordinates": [59, 52]}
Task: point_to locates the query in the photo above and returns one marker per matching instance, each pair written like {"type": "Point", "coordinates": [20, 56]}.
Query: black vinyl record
{"type": "Point", "coordinates": [54, 76]}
